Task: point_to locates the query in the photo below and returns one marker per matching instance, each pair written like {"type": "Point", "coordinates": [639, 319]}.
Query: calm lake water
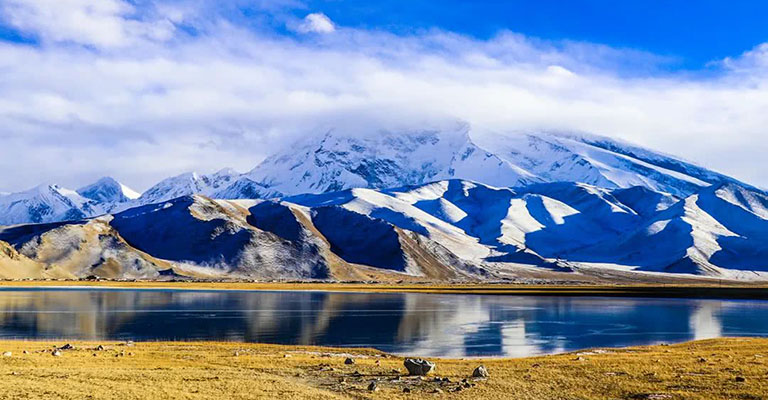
{"type": "Point", "coordinates": [414, 324]}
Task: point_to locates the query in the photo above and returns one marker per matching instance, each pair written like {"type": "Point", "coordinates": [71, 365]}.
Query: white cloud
{"type": "Point", "coordinates": [316, 23]}
{"type": "Point", "coordinates": [101, 23]}
{"type": "Point", "coordinates": [228, 95]}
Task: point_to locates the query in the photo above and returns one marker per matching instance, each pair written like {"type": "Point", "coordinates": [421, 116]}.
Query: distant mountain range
{"type": "Point", "coordinates": [426, 204]}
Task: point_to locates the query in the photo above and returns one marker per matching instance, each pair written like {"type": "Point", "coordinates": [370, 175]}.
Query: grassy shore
{"type": "Point", "coordinates": [725, 290]}
{"type": "Point", "coordinates": [720, 368]}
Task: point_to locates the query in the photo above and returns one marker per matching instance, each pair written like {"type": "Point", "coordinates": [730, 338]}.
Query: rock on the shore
{"type": "Point", "coordinates": [418, 366]}
{"type": "Point", "coordinates": [480, 372]}
{"type": "Point", "coordinates": [349, 361]}
{"type": "Point", "coordinates": [7, 354]}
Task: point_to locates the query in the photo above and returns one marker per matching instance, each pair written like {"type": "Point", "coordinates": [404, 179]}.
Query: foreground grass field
{"type": "Point", "coordinates": [721, 368]}
{"type": "Point", "coordinates": [720, 290]}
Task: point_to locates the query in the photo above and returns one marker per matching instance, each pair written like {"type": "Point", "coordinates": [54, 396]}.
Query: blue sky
{"type": "Point", "coordinates": [153, 88]}
{"type": "Point", "coordinates": [693, 33]}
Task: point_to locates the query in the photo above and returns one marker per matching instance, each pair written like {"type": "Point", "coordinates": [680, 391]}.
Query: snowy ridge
{"type": "Point", "coordinates": [429, 203]}
{"type": "Point", "coordinates": [341, 159]}
{"type": "Point", "coordinates": [46, 203]}
{"type": "Point", "coordinates": [444, 230]}
{"type": "Point", "coordinates": [108, 190]}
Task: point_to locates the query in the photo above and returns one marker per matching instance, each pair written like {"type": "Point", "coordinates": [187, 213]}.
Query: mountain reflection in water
{"type": "Point", "coordinates": [416, 324]}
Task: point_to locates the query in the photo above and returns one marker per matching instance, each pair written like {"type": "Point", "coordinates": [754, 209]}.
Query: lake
{"type": "Point", "coordinates": [452, 325]}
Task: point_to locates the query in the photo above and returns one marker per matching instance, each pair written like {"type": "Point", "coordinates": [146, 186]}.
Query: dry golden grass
{"type": "Point", "coordinates": [721, 368]}
{"type": "Point", "coordinates": [725, 290]}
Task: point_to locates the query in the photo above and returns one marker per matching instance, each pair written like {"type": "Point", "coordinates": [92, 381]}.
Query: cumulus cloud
{"type": "Point", "coordinates": [316, 23]}
{"type": "Point", "coordinates": [103, 23]}
{"type": "Point", "coordinates": [229, 94]}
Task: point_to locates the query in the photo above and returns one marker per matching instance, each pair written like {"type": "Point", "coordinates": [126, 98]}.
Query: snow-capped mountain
{"type": "Point", "coordinates": [433, 203]}
{"type": "Point", "coordinates": [603, 162]}
{"type": "Point", "coordinates": [46, 203]}
{"type": "Point", "coordinates": [342, 160]}
{"type": "Point", "coordinates": [53, 203]}
{"type": "Point", "coordinates": [444, 230]}
{"type": "Point", "coordinates": [108, 190]}
{"type": "Point", "coordinates": [224, 184]}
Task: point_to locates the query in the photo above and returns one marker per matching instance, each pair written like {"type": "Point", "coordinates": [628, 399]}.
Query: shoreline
{"type": "Point", "coordinates": [701, 291]}
{"type": "Point", "coordinates": [713, 368]}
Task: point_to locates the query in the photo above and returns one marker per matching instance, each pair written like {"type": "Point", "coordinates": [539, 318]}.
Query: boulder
{"type": "Point", "coordinates": [418, 366]}
{"type": "Point", "coordinates": [480, 372]}
{"type": "Point", "coordinates": [349, 361]}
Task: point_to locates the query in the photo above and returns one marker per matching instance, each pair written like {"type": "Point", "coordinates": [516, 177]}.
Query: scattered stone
{"type": "Point", "coordinates": [95, 355]}
{"type": "Point", "coordinates": [357, 373]}
{"type": "Point", "coordinates": [418, 366]}
{"type": "Point", "coordinates": [480, 372]}
{"type": "Point", "coordinates": [741, 379]}
{"type": "Point", "coordinates": [373, 386]}
{"type": "Point", "coordinates": [395, 371]}
{"type": "Point", "coordinates": [237, 354]}
{"type": "Point", "coordinates": [349, 361]}
{"type": "Point", "coordinates": [653, 396]}
{"type": "Point", "coordinates": [537, 365]}
{"type": "Point", "coordinates": [702, 360]}
{"type": "Point", "coordinates": [56, 353]}
{"type": "Point", "coordinates": [579, 359]}
{"type": "Point", "coordinates": [406, 390]}
{"type": "Point", "coordinates": [129, 343]}
{"type": "Point", "coordinates": [67, 347]}
{"type": "Point", "coordinates": [130, 354]}
{"type": "Point", "coordinates": [7, 354]}
{"type": "Point", "coordinates": [100, 348]}
{"type": "Point", "coordinates": [286, 356]}
{"type": "Point", "coordinates": [437, 391]}
{"type": "Point", "coordinates": [25, 352]}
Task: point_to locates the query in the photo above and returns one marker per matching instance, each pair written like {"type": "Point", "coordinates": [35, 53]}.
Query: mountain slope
{"type": "Point", "coordinates": [108, 190]}
{"type": "Point", "coordinates": [224, 184]}
{"type": "Point", "coordinates": [445, 230]}
{"type": "Point", "coordinates": [601, 162]}
{"type": "Point", "coordinates": [343, 160]}
{"type": "Point", "coordinates": [46, 203]}
{"type": "Point", "coordinates": [720, 231]}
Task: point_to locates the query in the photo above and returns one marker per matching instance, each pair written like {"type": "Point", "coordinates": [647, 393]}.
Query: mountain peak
{"type": "Point", "coordinates": [342, 159]}
{"type": "Point", "coordinates": [108, 190]}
